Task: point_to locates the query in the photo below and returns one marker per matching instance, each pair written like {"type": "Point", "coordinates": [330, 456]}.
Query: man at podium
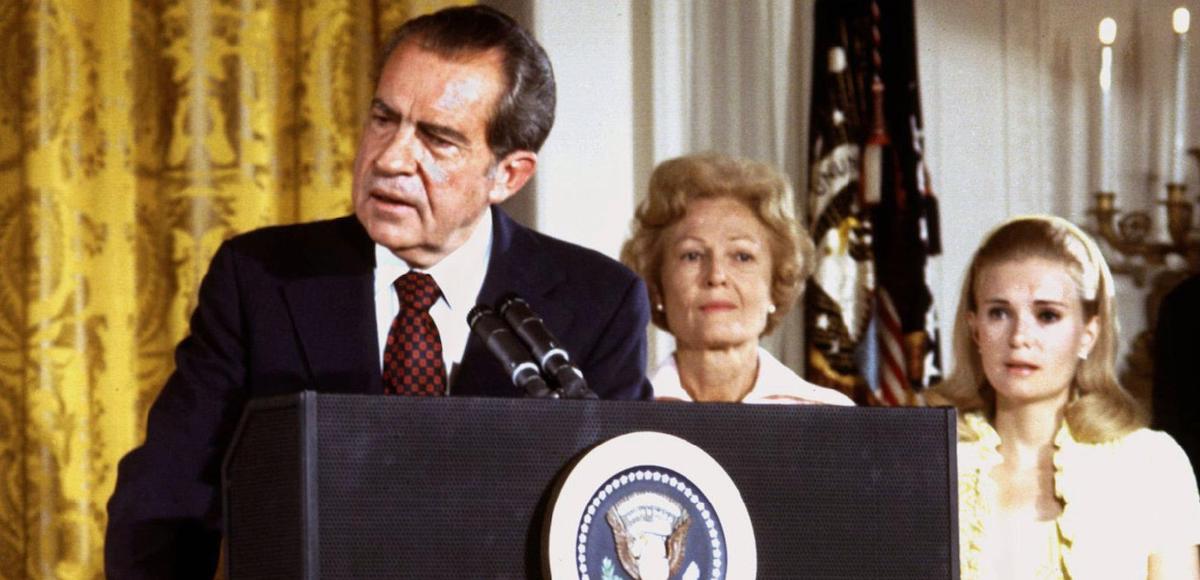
{"type": "Point", "coordinates": [377, 302]}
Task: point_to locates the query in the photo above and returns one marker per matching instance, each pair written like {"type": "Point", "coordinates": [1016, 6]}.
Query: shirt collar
{"type": "Point", "coordinates": [459, 275]}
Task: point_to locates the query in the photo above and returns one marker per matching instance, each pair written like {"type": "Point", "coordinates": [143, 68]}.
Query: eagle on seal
{"type": "Point", "coordinates": [644, 550]}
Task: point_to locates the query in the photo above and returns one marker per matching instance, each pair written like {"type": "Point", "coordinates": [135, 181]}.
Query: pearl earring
{"type": "Point", "coordinates": [659, 306]}
{"type": "Point", "coordinates": [771, 309]}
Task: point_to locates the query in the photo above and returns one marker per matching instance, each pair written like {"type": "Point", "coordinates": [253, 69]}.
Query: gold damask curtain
{"type": "Point", "coordinates": [135, 136]}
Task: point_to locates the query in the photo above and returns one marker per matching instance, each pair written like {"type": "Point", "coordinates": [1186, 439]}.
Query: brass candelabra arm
{"type": "Point", "coordinates": [1128, 233]}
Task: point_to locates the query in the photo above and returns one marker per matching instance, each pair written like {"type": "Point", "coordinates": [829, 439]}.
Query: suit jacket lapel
{"type": "Point", "coordinates": [333, 308]}
{"type": "Point", "coordinates": [514, 267]}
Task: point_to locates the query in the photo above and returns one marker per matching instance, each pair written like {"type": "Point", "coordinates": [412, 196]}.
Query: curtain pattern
{"type": "Point", "coordinates": [135, 136]}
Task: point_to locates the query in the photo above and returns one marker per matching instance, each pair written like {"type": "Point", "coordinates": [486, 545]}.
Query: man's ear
{"type": "Point", "coordinates": [512, 173]}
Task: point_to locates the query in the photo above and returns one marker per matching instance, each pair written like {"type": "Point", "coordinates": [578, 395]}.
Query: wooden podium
{"type": "Point", "coordinates": [356, 486]}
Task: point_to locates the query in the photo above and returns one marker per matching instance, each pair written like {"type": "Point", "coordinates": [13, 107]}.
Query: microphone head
{"type": "Point", "coordinates": [529, 326]}
{"type": "Point", "coordinates": [517, 305]}
{"type": "Point", "coordinates": [509, 352]}
{"type": "Point", "coordinates": [476, 312]}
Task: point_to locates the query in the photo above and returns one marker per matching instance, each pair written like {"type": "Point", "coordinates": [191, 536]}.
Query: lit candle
{"type": "Point", "coordinates": [1108, 34]}
{"type": "Point", "coordinates": [1180, 21]}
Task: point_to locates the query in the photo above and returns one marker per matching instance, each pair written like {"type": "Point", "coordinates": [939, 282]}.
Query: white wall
{"type": "Point", "coordinates": [586, 167]}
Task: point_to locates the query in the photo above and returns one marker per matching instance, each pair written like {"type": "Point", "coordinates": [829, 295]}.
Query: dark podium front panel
{"type": "Point", "coordinates": [355, 486]}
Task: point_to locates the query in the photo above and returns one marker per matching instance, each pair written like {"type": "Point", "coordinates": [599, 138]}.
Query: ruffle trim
{"type": "Point", "coordinates": [1075, 467]}
{"type": "Point", "coordinates": [1067, 453]}
{"type": "Point", "coordinates": [977, 492]}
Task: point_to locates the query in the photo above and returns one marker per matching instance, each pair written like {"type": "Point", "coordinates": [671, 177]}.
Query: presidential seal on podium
{"type": "Point", "coordinates": [648, 506]}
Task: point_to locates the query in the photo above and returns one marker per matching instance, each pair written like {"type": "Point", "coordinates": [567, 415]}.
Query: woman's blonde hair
{"type": "Point", "coordinates": [676, 183]}
{"type": "Point", "coordinates": [1099, 409]}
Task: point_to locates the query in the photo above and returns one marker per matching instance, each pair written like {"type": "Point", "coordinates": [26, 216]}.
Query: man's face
{"type": "Point", "coordinates": [424, 174]}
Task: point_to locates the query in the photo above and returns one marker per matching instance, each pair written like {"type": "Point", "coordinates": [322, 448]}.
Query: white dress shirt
{"type": "Point", "coordinates": [459, 275]}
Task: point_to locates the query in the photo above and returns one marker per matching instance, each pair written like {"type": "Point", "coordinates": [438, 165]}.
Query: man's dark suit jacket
{"type": "Point", "coordinates": [291, 308]}
{"type": "Point", "coordinates": [1177, 367]}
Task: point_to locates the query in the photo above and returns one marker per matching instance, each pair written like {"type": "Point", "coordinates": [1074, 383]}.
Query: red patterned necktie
{"type": "Point", "coordinates": [412, 359]}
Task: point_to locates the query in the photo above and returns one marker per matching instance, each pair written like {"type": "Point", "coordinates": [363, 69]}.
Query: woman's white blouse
{"type": "Point", "coordinates": [776, 383]}
{"type": "Point", "coordinates": [1123, 500]}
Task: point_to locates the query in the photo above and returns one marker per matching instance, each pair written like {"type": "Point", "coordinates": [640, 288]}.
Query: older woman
{"type": "Point", "coordinates": [1058, 476]}
{"type": "Point", "coordinates": [724, 259]}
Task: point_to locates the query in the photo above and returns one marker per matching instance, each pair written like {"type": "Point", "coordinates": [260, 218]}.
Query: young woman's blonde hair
{"type": "Point", "coordinates": [1099, 408]}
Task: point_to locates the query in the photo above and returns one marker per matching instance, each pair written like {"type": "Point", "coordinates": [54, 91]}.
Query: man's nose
{"type": "Point", "coordinates": [399, 155]}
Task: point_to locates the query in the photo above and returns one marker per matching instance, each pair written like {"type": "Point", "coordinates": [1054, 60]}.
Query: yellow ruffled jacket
{"type": "Point", "coordinates": [1122, 501]}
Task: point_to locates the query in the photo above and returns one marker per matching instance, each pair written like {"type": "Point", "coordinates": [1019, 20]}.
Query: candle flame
{"type": "Point", "coordinates": [1181, 20]}
{"type": "Point", "coordinates": [1108, 31]}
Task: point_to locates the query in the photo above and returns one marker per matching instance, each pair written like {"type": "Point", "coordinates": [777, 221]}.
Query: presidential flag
{"type": "Point", "coordinates": [870, 328]}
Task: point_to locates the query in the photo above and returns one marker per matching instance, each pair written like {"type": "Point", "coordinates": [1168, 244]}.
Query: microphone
{"type": "Point", "coordinates": [555, 361]}
{"type": "Point", "coordinates": [508, 350]}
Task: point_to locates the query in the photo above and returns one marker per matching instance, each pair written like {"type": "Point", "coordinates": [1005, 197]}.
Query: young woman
{"type": "Point", "coordinates": [1058, 475]}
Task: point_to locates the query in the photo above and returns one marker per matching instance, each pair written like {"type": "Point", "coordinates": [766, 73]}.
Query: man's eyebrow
{"type": "Point", "coordinates": [443, 132]}
{"type": "Point", "coordinates": [379, 106]}
{"type": "Point", "coordinates": [440, 131]}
